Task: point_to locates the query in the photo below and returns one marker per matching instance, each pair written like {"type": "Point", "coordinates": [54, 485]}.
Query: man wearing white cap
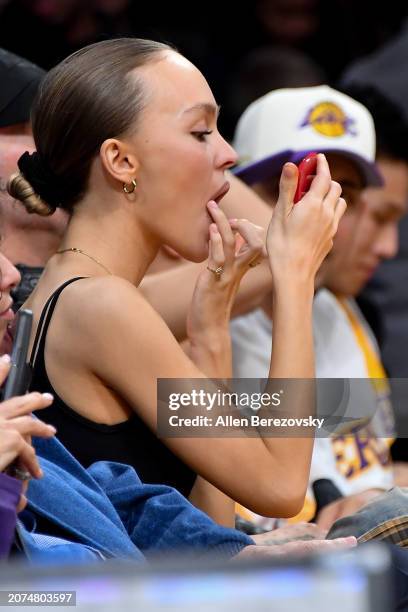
{"type": "Point", "coordinates": [283, 126]}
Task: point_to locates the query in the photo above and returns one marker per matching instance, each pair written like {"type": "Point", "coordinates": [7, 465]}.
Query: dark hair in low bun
{"type": "Point", "coordinates": [89, 97]}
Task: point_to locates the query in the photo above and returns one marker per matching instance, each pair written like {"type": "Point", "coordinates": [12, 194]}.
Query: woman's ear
{"type": "Point", "coordinates": [119, 160]}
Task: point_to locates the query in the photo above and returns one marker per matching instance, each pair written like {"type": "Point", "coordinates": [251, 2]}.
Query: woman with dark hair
{"type": "Point", "coordinates": [127, 143]}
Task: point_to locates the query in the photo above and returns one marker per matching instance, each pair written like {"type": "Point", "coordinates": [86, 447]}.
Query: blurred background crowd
{"type": "Point", "coordinates": [243, 48]}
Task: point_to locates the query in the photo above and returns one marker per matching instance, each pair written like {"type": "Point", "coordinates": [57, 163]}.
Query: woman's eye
{"type": "Point", "coordinates": [201, 135]}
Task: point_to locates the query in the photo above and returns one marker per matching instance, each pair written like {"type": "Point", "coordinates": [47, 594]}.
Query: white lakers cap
{"type": "Point", "coordinates": [286, 124]}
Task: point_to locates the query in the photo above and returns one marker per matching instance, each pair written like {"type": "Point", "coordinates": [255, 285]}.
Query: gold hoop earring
{"type": "Point", "coordinates": [131, 189]}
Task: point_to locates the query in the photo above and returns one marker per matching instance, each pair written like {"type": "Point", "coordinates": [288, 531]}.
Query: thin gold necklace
{"type": "Point", "coordinates": [75, 250]}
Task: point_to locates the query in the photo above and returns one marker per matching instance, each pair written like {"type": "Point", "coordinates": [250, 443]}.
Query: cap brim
{"type": "Point", "coordinates": [271, 166]}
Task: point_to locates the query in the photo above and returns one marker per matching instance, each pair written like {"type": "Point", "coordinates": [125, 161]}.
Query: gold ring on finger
{"type": "Point", "coordinates": [218, 271]}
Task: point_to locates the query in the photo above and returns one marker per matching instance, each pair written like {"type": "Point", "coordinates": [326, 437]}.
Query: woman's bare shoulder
{"type": "Point", "coordinates": [93, 299]}
{"type": "Point", "coordinates": [109, 324]}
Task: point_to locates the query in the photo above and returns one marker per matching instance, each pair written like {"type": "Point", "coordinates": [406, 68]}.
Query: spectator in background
{"type": "Point", "coordinates": [265, 69]}
{"type": "Point", "coordinates": [392, 160]}
{"type": "Point", "coordinates": [64, 24]}
{"type": "Point", "coordinates": [28, 241]}
{"type": "Point", "coordinates": [316, 27]}
{"type": "Point", "coordinates": [284, 125]}
{"type": "Point", "coordinates": [289, 21]}
{"type": "Point", "coordinates": [216, 46]}
{"type": "Point", "coordinates": [9, 279]}
{"type": "Point", "coordinates": [385, 299]}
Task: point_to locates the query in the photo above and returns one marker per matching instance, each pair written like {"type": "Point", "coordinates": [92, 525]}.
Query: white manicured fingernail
{"type": "Point", "coordinates": [48, 396]}
{"type": "Point", "coordinates": [6, 358]}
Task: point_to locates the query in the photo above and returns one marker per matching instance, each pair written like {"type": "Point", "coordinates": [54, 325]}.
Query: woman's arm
{"type": "Point", "coordinates": [208, 341]}
{"type": "Point", "coordinates": [213, 502]}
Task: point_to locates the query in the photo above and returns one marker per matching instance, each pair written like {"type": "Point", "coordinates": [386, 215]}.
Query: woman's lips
{"type": "Point", "coordinates": [221, 192]}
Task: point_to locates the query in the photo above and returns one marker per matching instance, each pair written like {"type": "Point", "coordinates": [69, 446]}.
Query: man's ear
{"type": "Point", "coordinates": [118, 160]}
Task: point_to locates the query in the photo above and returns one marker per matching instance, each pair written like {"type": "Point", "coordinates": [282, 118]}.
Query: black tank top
{"type": "Point", "coordinates": [130, 442]}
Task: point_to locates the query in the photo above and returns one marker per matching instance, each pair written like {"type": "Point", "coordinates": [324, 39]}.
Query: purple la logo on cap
{"type": "Point", "coordinates": [328, 119]}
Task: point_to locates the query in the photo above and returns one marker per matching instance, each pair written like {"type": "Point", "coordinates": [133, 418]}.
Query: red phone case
{"type": "Point", "coordinates": [307, 172]}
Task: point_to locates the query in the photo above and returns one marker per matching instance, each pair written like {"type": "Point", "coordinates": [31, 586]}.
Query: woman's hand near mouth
{"type": "Point", "coordinates": [234, 246]}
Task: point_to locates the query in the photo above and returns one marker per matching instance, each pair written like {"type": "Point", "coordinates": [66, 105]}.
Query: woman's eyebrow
{"type": "Point", "coordinates": [209, 109]}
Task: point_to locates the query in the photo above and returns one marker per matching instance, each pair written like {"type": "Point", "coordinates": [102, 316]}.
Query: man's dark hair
{"type": "Point", "coordinates": [19, 80]}
{"type": "Point", "coordinates": [391, 126]}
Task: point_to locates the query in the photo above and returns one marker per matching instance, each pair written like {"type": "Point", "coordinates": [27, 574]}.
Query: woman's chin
{"type": "Point", "coordinates": [197, 254]}
{"type": "Point", "coordinates": [195, 250]}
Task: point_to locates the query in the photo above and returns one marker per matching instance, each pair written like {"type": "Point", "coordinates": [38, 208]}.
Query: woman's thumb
{"type": "Point", "coordinates": [287, 188]}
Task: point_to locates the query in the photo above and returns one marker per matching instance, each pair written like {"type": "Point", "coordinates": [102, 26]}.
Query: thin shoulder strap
{"type": "Point", "coordinates": [45, 317]}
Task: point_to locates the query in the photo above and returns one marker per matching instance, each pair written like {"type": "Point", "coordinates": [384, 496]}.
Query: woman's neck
{"type": "Point", "coordinates": [115, 239]}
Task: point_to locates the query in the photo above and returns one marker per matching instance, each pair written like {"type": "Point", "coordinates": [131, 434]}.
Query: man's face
{"type": "Point", "coordinates": [368, 232]}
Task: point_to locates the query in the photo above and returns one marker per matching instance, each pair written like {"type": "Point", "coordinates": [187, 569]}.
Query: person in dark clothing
{"type": "Point", "coordinates": [379, 82]}
{"type": "Point", "coordinates": [384, 300]}
{"type": "Point", "coordinates": [27, 241]}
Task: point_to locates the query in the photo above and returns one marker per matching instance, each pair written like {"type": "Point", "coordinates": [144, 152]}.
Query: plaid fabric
{"type": "Point", "coordinates": [394, 530]}
{"type": "Point", "coordinates": [383, 518]}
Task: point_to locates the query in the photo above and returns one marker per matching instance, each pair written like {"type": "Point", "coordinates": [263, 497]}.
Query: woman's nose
{"type": "Point", "coordinates": [227, 156]}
